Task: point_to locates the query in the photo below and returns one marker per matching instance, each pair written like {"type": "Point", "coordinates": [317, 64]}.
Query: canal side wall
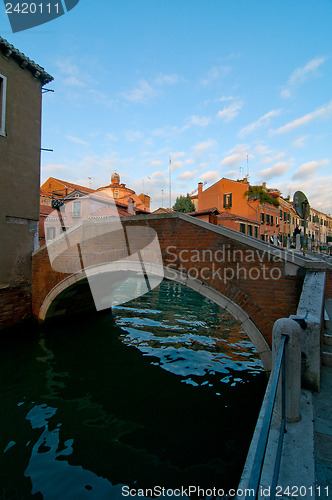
{"type": "Point", "coordinates": [15, 305]}
{"type": "Point", "coordinates": [328, 282]}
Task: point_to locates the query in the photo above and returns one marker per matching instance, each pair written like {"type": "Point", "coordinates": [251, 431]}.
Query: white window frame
{"type": "Point", "coordinates": [50, 233]}
{"type": "Point", "coordinates": [3, 91]}
{"type": "Point", "coordinates": [77, 209]}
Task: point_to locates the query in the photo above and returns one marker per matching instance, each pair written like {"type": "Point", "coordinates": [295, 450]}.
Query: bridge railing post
{"type": "Point", "coordinates": [292, 366]}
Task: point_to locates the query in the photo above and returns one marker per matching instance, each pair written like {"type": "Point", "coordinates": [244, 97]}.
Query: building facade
{"type": "Point", "coordinates": [242, 209]}
{"type": "Point", "coordinates": [21, 83]}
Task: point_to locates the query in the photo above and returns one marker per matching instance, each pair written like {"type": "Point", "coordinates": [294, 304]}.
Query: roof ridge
{"type": "Point", "coordinates": [39, 71]}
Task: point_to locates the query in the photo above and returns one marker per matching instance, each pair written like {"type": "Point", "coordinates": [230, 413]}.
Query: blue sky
{"type": "Point", "coordinates": [214, 84]}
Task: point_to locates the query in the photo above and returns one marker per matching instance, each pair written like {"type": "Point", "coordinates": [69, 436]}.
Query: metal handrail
{"type": "Point", "coordinates": [257, 468]}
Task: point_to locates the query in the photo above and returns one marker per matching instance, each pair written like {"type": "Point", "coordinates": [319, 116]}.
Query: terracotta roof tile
{"type": "Point", "coordinates": [10, 51]}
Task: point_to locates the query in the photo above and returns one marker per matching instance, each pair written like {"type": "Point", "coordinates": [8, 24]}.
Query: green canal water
{"type": "Point", "coordinates": [162, 391]}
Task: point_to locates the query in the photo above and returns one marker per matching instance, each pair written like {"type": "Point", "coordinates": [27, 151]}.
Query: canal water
{"type": "Point", "coordinates": [163, 391]}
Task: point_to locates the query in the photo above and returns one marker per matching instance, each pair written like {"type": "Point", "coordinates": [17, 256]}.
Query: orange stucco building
{"type": "Point", "coordinates": [239, 211]}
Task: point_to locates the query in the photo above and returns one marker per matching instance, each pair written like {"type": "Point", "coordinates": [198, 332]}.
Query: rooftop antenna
{"type": "Point", "coordinates": [162, 198]}
{"type": "Point", "coordinates": [90, 181]}
{"type": "Point", "coordinates": [248, 174]}
{"type": "Point", "coordinates": [170, 181]}
{"type": "Point", "coordinates": [149, 191]}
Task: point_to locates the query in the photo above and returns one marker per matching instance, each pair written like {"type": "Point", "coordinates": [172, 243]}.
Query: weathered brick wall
{"type": "Point", "coordinates": [264, 300]}
{"type": "Point", "coordinates": [15, 305]}
{"type": "Point", "coordinates": [328, 284]}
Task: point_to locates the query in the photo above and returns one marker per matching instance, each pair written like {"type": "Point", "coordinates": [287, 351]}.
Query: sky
{"type": "Point", "coordinates": [210, 88]}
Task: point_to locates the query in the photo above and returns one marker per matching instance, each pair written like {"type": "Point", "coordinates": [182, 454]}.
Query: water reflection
{"type": "Point", "coordinates": [163, 391]}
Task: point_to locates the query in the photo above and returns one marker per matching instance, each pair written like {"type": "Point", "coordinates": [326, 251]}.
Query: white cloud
{"type": "Point", "coordinates": [321, 113]}
{"type": "Point", "coordinates": [112, 137]}
{"type": "Point", "coordinates": [177, 154]}
{"type": "Point", "coordinates": [211, 176]}
{"type": "Point", "coordinates": [276, 170]}
{"type": "Point", "coordinates": [54, 167]}
{"type": "Point", "coordinates": [272, 159]}
{"type": "Point", "coordinates": [156, 163]}
{"type": "Point", "coordinates": [133, 135]}
{"type": "Point", "coordinates": [188, 175]}
{"type": "Point", "coordinates": [201, 121]}
{"type": "Point", "coordinates": [189, 161]}
{"type": "Point", "coordinates": [205, 146]}
{"type": "Point", "coordinates": [77, 140]}
{"type": "Point", "coordinates": [232, 160]}
{"type": "Point", "coordinates": [235, 155]}
{"type": "Point", "coordinates": [261, 122]}
{"type": "Point", "coordinates": [300, 142]}
{"type": "Point", "coordinates": [300, 75]}
{"type": "Point", "coordinates": [230, 112]}
{"type": "Point", "coordinates": [215, 73]}
{"type": "Point", "coordinates": [262, 149]}
{"type": "Point", "coordinates": [141, 93]}
{"type": "Point", "coordinates": [166, 79]}
{"type": "Point", "coordinates": [308, 169]}
{"type": "Point", "coordinates": [176, 165]}
{"type": "Point", "coordinates": [231, 174]}
{"type": "Point", "coordinates": [158, 175]}
{"type": "Point", "coordinates": [145, 91]}
{"type": "Point", "coordinates": [72, 74]}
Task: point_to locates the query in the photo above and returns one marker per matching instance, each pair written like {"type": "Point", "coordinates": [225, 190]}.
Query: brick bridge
{"type": "Point", "coordinates": [257, 283]}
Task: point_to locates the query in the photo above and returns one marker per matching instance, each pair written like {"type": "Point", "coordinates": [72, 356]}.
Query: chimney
{"type": "Point", "coordinates": [200, 188]}
{"type": "Point", "coordinates": [131, 206]}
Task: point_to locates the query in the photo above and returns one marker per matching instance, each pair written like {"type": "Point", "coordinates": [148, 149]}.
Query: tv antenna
{"type": "Point", "coordinates": [170, 181]}
{"type": "Point", "coordinates": [248, 174]}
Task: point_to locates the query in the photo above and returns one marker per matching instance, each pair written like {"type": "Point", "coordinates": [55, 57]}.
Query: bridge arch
{"type": "Point", "coordinates": [171, 274]}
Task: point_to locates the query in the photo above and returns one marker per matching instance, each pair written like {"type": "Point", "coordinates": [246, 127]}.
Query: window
{"type": "Point", "coordinates": [277, 220]}
{"type": "Point", "coordinates": [249, 229]}
{"type": "Point", "coordinates": [3, 85]}
{"type": "Point", "coordinates": [267, 219]}
{"type": "Point", "coordinates": [280, 214]}
{"type": "Point", "coordinates": [242, 228]}
{"type": "Point", "coordinates": [50, 233]}
{"type": "Point", "coordinates": [256, 232]}
{"type": "Point", "coordinates": [271, 219]}
{"type": "Point", "coordinates": [285, 216]}
{"type": "Point", "coordinates": [228, 200]}
{"type": "Point", "coordinates": [262, 218]}
{"type": "Point", "coordinates": [76, 209]}
{"type": "Point", "coordinates": [116, 193]}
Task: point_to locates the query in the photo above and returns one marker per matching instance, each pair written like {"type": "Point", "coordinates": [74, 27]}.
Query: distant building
{"type": "Point", "coordinates": [238, 209]}
{"type": "Point", "coordinates": [56, 189]}
{"type": "Point", "coordinates": [21, 83]}
{"type": "Point", "coordinates": [122, 193]}
{"type": "Point", "coordinates": [162, 210]}
{"type": "Point", "coordinates": [319, 228]}
{"type": "Point", "coordinates": [55, 193]}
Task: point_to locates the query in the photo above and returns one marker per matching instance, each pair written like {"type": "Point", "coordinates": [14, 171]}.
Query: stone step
{"type": "Point", "coordinates": [327, 339]}
{"type": "Point", "coordinates": [327, 355]}
{"type": "Point", "coordinates": [326, 320]}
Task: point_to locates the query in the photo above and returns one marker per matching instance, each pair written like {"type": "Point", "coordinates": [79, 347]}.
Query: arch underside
{"type": "Point", "coordinates": [135, 269]}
